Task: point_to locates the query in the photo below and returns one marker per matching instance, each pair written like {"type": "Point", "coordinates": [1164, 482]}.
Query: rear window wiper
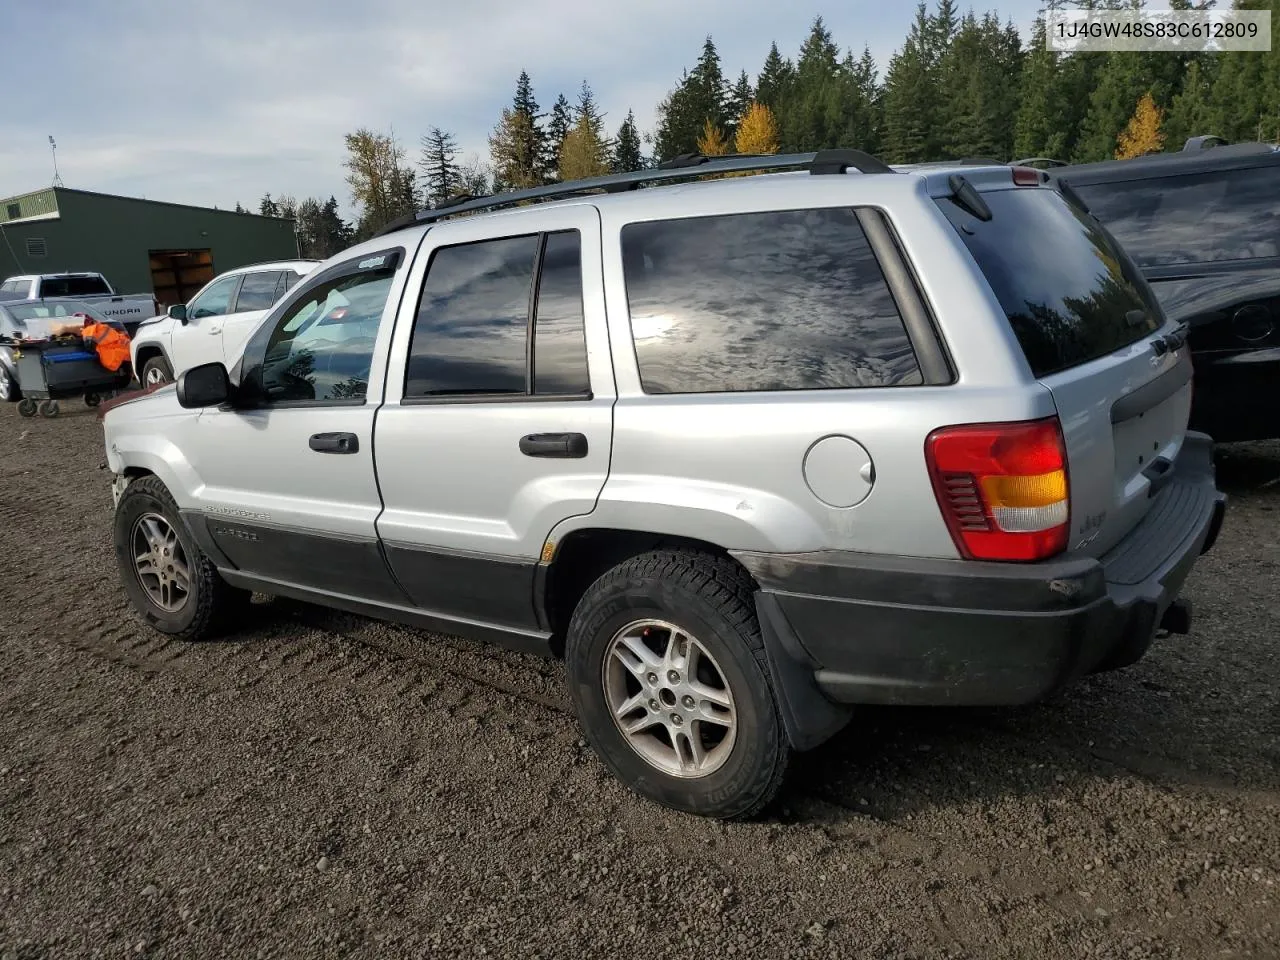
{"type": "Point", "coordinates": [969, 199]}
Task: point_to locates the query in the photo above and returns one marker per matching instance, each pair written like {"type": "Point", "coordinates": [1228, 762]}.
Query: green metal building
{"type": "Point", "coordinates": [140, 246]}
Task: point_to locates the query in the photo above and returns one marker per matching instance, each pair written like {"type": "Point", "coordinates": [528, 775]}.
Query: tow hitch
{"type": "Point", "coordinates": [1177, 619]}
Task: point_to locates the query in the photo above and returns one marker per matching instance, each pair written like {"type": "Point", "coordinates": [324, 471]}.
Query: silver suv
{"type": "Point", "coordinates": [745, 452]}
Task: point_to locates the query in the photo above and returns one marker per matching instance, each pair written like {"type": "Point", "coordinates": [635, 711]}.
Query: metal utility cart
{"type": "Point", "coordinates": [60, 367]}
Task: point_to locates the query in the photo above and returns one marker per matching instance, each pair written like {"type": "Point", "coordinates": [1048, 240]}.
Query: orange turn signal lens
{"type": "Point", "coordinates": [1038, 490]}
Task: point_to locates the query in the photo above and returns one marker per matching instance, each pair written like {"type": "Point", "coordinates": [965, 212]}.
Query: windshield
{"type": "Point", "coordinates": [73, 286]}
{"type": "Point", "coordinates": [1068, 290]}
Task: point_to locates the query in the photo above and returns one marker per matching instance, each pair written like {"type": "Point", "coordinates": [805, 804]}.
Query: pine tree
{"type": "Point", "coordinates": [518, 143]}
{"type": "Point", "coordinates": [863, 110]}
{"type": "Point", "coordinates": [588, 111]}
{"type": "Point", "coordinates": [757, 131]}
{"type": "Point", "coordinates": [711, 142]}
{"type": "Point", "coordinates": [980, 70]}
{"type": "Point", "coordinates": [708, 87]}
{"type": "Point", "coordinates": [740, 99]}
{"type": "Point", "coordinates": [774, 83]}
{"type": "Point", "coordinates": [240, 209]}
{"type": "Point", "coordinates": [911, 96]}
{"type": "Point", "coordinates": [514, 147]}
{"type": "Point", "coordinates": [439, 165]}
{"type": "Point", "coordinates": [1191, 113]}
{"type": "Point", "coordinates": [1142, 134]}
{"type": "Point", "coordinates": [1039, 125]}
{"type": "Point", "coordinates": [267, 207]}
{"type": "Point", "coordinates": [1119, 84]}
{"type": "Point", "coordinates": [558, 128]}
{"type": "Point", "coordinates": [700, 96]}
{"type": "Point", "coordinates": [814, 115]}
{"type": "Point", "coordinates": [1246, 91]}
{"type": "Point", "coordinates": [626, 147]}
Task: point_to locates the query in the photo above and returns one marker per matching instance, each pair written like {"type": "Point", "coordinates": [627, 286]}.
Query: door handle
{"type": "Point", "coordinates": [561, 446]}
{"type": "Point", "coordinates": [334, 442]}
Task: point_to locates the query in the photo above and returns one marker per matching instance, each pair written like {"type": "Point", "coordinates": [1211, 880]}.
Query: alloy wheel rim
{"type": "Point", "coordinates": [5, 384]}
{"type": "Point", "coordinates": [155, 375]}
{"type": "Point", "coordinates": [669, 699]}
{"type": "Point", "coordinates": [160, 563]}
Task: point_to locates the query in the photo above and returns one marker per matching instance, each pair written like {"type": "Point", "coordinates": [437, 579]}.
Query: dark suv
{"type": "Point", "coordinates": [1204, 225]}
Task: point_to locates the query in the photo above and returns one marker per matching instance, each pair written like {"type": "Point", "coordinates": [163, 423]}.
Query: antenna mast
{"type": "Point", "coordinates": [53, 148]}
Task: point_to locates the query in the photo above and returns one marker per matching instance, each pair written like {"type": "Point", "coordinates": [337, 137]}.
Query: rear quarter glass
{"type": "Point", "coordinates": [1067, 288]}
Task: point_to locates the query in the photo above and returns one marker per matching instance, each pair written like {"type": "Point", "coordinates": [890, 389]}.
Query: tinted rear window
{"type": "Point", "coordinates": [72, 286]}
{"type": "Point", "coordinates": [1194, 218]}
{"type": "Point", "coordinates": [1070, 293]}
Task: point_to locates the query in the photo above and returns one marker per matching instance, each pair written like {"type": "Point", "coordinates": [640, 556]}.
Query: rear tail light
{"type": "Point", "coordinates": [1002, 488]}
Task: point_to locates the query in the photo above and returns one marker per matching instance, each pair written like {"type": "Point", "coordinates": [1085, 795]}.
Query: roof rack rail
{"type": "Point", "coordinates": [678, 168]}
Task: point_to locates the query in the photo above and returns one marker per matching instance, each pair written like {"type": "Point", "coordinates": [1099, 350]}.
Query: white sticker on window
{"type": "Point", "coordinates": [373, 262]}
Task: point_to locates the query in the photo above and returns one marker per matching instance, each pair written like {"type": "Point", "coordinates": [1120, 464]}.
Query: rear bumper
{"type": "Point", "coordinates": [900, 630]}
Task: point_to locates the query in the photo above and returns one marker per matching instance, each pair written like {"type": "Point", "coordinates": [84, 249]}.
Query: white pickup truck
{"type": "Point", "coordinates": [92, 288]}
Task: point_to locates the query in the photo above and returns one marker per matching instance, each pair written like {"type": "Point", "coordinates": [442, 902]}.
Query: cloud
{"type": "Point", "coordinates": [241, 97]}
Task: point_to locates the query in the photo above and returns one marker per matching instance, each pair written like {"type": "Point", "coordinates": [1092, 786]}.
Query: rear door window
{"type": "Point", "coordinates": [258, 291]}
{"type": "Point", "coordinates": [786, 300]}
{"type": "Point", "coordinates": [1192, 218]}
{"type": "Point", "coordinates": [1068, 290]}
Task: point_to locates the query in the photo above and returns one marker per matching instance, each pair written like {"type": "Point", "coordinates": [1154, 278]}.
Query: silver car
{"type": "Point", "coordinates": [746, 452]}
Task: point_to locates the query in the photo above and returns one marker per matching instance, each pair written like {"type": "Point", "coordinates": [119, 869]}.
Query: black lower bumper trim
{"type": "Point", "coordinates": [898, 630]}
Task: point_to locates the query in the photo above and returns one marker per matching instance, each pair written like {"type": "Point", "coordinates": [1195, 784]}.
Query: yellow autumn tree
{"type": "Point", "coordinates": [581, 152]}
{"type": "Point", "coordinates": [1142, 134]}
{"type": "Point", "coordinates": [712, 142]}
{"type": "Point", "coordinates": [757, 131]}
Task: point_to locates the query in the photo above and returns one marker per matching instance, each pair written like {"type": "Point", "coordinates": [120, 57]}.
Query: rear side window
{"type": "Point", "coordinates": [1068, 290]}
{"type": "Point", "coordinates": [1193, 218]}
{"type": "Point", "coordinates": [73, 286]}
{"type": "Point", "coordinates": [789, 300]}
{"type": "Point", "coordinates": [257, 292]}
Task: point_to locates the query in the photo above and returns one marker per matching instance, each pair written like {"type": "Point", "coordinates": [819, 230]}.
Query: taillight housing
{"type": "Point", "coordinates": [1003, 488]}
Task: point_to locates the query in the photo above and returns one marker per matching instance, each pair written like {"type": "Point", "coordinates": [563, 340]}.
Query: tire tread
{"type": "Point", "coordinates": [729, 590]}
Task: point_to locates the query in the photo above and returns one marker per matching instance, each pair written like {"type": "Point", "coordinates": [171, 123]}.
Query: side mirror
{"type": "Point", "coordinates": [204, 386]}
{"type": "Point", "coordinates": [178, 312]}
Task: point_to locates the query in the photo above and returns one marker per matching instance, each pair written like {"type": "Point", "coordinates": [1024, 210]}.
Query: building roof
{"type": "Point", "coordinates": [43, 204]}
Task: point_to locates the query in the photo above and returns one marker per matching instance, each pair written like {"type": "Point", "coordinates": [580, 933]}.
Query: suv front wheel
{"type": "Point", "coordinates": [173, 587]}
{"type": "Point", "coordinates": [668, 674]}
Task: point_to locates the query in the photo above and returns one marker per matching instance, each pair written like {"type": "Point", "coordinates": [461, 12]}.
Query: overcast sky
{"type": "Point", "coordinates": [221, 102]}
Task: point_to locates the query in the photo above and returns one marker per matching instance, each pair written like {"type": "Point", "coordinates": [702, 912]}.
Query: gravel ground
{"type": "Point", "coordinates": [322, 785]}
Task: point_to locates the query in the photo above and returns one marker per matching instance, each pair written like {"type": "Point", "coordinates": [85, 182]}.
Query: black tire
{"type": "Point", "coordinates": [712, 598]}
{"type": "Point", "coordinates": [157, 366]}
{"type": "Point", "coordinates": [26, 407]}
{"type": "Point", "coordinates": [9, 386]}
{"type": "Point", "coordinates": [211, 604]}
{"type": "Point", "coordinates": [50, 408]}
{"type": "Point", "coordinates": [92, 399]}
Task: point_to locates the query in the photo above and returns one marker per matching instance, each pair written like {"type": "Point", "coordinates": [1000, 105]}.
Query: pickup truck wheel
{"type": "Point", "coordinates": [172, 585]}
{"type": "Point", "coordinates": [667, 671]}
{"type": "Point", "coordinates": [156, 371]}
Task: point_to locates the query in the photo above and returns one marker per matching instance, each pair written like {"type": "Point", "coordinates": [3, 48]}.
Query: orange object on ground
{"type": "Point", "coordinates": [110, 344]}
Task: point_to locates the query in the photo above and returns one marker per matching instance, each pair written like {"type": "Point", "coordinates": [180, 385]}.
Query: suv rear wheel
{"type": "Point", "coordinates": [172, 585]}
{"type": "Point", "coordinates": [667, 670]}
